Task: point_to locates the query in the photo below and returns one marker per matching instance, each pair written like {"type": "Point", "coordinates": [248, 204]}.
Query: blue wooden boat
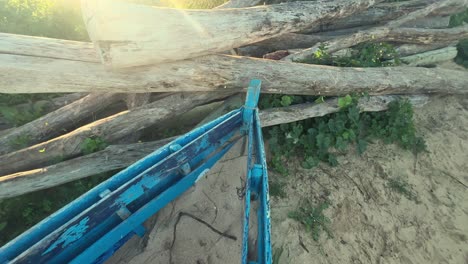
{"type": "Point", "coordinates": [94, 226]}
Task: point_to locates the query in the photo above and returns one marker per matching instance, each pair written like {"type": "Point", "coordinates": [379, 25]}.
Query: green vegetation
{"type": "Point", "coordinates": [46, 18]}
{"type": "Point", "coordinates": [363, 55]}
{"type": "Point", "coordinates": [325, 138]}
{"type": "Point", "coordinates": [18, 117]}
{"type": "Point", "coordinates": [401, 186]}
{"type": "Point", "coordinates": [462, 56]}
{"type": "Point", "coordinates": [91, 145]}
{"type": "Point", "coordinates": [20, 213]}
{"type": "Point", "coordinates": [313, 219]}
{"type": "Point", "coordinates": [462, 47]}
{"type": "Point", "coordinates": [276, 189]}
{"type": "Point", "coordinates": [458, 19]}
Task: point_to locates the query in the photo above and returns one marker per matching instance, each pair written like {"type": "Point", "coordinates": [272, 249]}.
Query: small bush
{"type": "Point", "coordinates": [313, 219]}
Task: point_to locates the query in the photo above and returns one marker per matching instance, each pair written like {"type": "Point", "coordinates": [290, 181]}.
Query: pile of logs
{"type": "Point", "coordinates": [149, 67]}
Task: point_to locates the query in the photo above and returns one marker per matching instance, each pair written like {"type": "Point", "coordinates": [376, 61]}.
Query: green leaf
{"type": "Point", "coordinates": [286, 101]}
{"type": "Point", "coordinates": [320, 100]}
{"type": "Point", "coordinates": [310, 162]}
{"type": "Point", "coordinates": [345, 101]}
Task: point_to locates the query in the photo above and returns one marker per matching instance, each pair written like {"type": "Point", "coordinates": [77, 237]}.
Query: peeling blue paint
{"type": "Point", "coordinates": [71, 235]}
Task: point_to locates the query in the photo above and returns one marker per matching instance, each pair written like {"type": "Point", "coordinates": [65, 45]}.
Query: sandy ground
{"type": "Point", "coordinates": [370, 222]}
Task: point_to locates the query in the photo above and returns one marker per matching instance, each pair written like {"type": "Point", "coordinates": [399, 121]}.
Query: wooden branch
{"type": "Point", "coordinates": [129, 35]}
{"type": "Point", "coordinates": [109, 129]}
{"type": "Point", "coordinates": [20, 74]}
{"type": "Point", "coordinates": [57, 122]}
{"type": "Point", "coordinates": [431, 57]}
{"type": "Point", "coordinates": [120, 156]}
{"type": "Point", "coordinates": [401, 35]}
{"type": "Point", "coordinates": [411, 49]}
{"type": "Point", "coordinates": [434, 22]}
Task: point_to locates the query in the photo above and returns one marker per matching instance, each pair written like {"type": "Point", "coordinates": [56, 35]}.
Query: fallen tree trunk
{"type": "Point", "coordinates": [57, 122]}
{"type": "Point", "coordinates": [20, 74]}
{"type": "Point", "coordinates": [120, 156]}
{"type": "Point", "coordinates": [109, 130]}
{"type": "Point", "coordinates": [129, 35]}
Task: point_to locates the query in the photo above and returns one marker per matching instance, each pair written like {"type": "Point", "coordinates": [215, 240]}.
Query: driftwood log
{"type": "Point", "coordinates": [392, 32]}
{"type": "Point", "coordinates": [57, 122]}
{"type": "Point", "coordinates": [430, 57]}
{"type": "Point", "coordinates": [120, 156]}
{"type": "Point", "coordinates": [400, 35]}
{"type": "Point", "coordinates": [20, 74]}
{"type": "Point", "coordinates": [109, 129]}
{"type": "Point", "coordinates": [129, 35]}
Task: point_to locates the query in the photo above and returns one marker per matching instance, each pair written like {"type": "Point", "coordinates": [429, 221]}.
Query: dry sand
{"type": "Point", "coordinates": [370, 222]}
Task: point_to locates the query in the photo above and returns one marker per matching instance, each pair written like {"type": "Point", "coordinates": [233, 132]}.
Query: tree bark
{"type": "Point", "coordinates": [120, 156]}
{"type": "Point", "coordinates": [128, 35]}
{"type": "Point", "coordinates": [57, 122]}
{"type": "Point", "coordinates": [20, 74]}
{"type": "Point", "coordinates": [109, 129]}
{"type": "Point", "coordinates": [411, 49]}
{"type": "Point", "coordinates": [376, 15]}
{"type": "Point", "coordinates": [431, 57]}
